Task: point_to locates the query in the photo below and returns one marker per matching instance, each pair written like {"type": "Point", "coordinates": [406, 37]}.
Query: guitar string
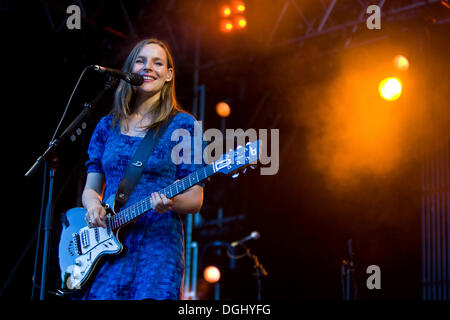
{"type": "Point", "coordinates": [133, 211]}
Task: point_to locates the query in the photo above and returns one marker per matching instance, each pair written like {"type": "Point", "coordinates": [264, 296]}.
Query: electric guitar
{"type": "Point", "coordinates": [81, 247]}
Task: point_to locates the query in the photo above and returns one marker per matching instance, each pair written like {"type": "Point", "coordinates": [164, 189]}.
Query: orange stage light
{"type": "Point", "coordinates": [223, 109]}
{"type": "Point", "coordinates": [401, 62]}
{"type": "Point", "coordinates": [225, 11]}
{"type": "Point", "coordinates": [211, 274]}
{"type": "Point", "coordinates": [234, 14]}
{"type": "Point", "coordinates": [226, 25]}
{"type": "Point", "coordinates": [390, 88]}
{"type": "Point", "coordinates": [241, 22]}
{"type": "Point", "coordinates": [240, 6]}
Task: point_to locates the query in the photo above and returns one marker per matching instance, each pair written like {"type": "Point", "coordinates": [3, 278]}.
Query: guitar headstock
{"type": "Point", "coordinates": [239, 159]}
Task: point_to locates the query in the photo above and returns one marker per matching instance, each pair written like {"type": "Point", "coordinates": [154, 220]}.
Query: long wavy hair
{"type": "Point", "coordinates": [125, 94]}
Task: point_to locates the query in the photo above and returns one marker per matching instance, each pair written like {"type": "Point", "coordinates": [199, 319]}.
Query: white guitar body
{"type": "Point", "coordinates": [81, 247]}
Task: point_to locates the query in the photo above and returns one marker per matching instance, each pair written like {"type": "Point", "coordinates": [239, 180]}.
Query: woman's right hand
{"type": "Point", "coordinates": [95, 216]}
{"type": "Point", "coordinates": [91, 199]}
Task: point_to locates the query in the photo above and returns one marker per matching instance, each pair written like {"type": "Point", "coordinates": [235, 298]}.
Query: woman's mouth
{"type": "Point", "coordinates": [148, 78]}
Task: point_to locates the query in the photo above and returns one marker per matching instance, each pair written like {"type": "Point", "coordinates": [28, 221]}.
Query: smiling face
{"type": "Point", "coordinates": [151, 63]}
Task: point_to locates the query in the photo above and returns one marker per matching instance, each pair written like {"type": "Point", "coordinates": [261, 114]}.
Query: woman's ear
{"type": "Point", "coordinates": [169, 74]}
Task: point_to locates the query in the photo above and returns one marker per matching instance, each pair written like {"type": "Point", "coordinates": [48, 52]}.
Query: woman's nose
{"type": "Point", "coordinates": [148, 66]}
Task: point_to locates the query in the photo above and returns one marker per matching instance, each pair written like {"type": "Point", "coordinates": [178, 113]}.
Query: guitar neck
{"type": "Point", "coordinates": [141, 207]}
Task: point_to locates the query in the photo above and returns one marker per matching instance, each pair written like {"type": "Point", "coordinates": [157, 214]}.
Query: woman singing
{"type": "Point", "coordinates": [153, 265]}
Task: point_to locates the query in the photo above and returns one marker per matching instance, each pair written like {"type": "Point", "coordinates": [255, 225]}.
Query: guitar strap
{"type": "Point", "coordinates": [136, 166]}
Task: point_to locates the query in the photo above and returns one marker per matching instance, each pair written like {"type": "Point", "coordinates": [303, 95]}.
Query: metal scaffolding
{"type": "Point", "coordinates": [345, 16]}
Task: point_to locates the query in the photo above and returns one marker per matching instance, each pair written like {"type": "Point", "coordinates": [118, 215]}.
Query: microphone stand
{"type": "Point", "coordinates": [348, 280]}
{"type": "Point", "coordinates": [260, 271]}
{"type": "Point", "coordinates": [51, 161]}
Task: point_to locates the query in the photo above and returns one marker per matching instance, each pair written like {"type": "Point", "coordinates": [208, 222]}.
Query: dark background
{"type": "Point", "coordinates": [304, 221]}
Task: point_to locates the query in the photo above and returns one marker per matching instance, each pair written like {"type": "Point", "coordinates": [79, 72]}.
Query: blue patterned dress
{"type": "Point", "coordinates": [153, 265]}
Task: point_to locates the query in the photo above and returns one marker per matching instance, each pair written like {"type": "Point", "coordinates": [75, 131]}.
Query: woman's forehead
{"type": "Point", "coordinates": [152, 50]}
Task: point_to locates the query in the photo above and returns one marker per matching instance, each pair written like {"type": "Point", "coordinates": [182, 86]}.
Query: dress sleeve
{"type": "Point", "coordinates": [97, 146]}
{"type": "Point", "coordinates": [194, 147]}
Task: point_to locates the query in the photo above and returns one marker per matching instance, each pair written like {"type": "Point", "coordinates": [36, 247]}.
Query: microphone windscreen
{"type": "Point", "coordinates": [255, 235]}
{"type": "Point", "coordinates": [135, 79]}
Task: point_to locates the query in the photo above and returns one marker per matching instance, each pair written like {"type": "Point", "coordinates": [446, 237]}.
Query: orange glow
{"type": "Point", "coordinates": [226, 25]}
{"type": "Point", "coordinates": [211, 274]}
{"type": "Point", "coordinates": [401, 63]}
{"type": "Point", "coordinates": [353, 132]}
{"type": "Point", "coordinates": [390, 89]}
{"type": "Point", "coordinates": [225, 11]}
{"type": "Point", "coordinates": [223, 109]}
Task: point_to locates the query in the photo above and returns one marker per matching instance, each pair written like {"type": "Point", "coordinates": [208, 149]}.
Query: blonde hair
{"type": "Point", "coordinates": [124, 96]}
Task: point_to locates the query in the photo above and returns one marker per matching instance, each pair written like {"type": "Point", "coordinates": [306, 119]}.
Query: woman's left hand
{"type": "Point", "coordinates": [160, 202]}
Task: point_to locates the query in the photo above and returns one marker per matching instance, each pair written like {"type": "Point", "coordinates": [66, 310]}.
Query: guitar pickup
{"type": "Point", "coordinates": [85, 238]}
{"type": "Point", "coordinates": [97, 235]}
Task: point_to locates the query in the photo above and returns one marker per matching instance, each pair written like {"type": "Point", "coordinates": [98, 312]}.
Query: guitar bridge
{"type": "Point", "coordinates": [76, 243]}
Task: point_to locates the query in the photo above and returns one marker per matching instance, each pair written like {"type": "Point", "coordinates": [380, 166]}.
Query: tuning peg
{"type": "Point", "coordinates": [252, 167]}
{"type": "Point", "coordinates": [244, 170]}
{"type": "Point", "coordinates": [234, 176]}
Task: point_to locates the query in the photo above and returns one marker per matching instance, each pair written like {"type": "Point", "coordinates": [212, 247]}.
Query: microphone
{"type": "Point", "coordinates": [132, 78]}
{"type": "Point", "coordinates": [253, 236]}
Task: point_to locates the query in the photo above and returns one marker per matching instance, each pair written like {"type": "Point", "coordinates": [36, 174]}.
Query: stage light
{"type": "Point", "coordinates": [226, 25]}
{"type": "Point", "coordinates": [225, 11]}
{"type": "Point", "coordinates": [240, 6]}
{"type": "Point", "coordinates": [401, 63]}
{"type": "Point", "coordinates": [232, 15]}
{"type": "Point", "coordinates": [390, 88]}
{"type": "Point", "coordinates": [241, 22]}
{"type": "Point", "coordinates": [211, 274]}
{"type": "Point", "coordinates": [223, 109]}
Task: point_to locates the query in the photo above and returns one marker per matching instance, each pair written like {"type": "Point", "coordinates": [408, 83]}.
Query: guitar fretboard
{"type": "Point", "coordinates": [141, 207]}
